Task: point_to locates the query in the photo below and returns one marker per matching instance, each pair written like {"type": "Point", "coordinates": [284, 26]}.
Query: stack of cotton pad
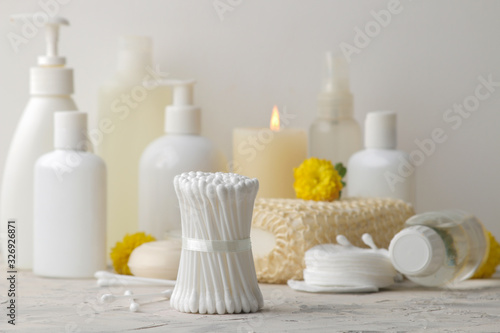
{"type": "Point", "coordinates": [346, 268]}
{"type": "Point", "coordinates": [216, 272]}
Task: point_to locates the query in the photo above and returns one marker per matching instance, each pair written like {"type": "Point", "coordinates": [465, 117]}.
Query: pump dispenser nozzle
{"type": "Point", "coordinates": [182, 117]}
{"type": "Point", "coordinates": [183, 91]}
{"type": "Point", "coordinates": [51, 58]}
{"type": "Point", "coordinates": [335, 99]}
{"type": "Point", "coordinates": [52, 38]}
{"type": "Point", "coordinates": [50, 77]}
{"type": "Point", "coordinates": [336, 74]}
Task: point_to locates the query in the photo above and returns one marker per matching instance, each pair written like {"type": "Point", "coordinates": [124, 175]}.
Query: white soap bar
{"type": "Point", "coordinates": [157, 260]}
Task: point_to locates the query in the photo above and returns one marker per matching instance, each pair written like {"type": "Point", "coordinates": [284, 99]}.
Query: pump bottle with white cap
{"type": "Point", "coordinates": [69, 204]}
{"type": "Point", "coordinates": [380, 170]}
{"type": "Point", "coordinates": [182, 149]}
{"type": "Point", "coordinates": [51, 86]}
{"type": "Point", "coordinates": [335, 135]}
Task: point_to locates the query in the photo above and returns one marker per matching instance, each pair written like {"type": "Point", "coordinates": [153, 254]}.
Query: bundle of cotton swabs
{"type": "Point", "coordinates": [216, 272]}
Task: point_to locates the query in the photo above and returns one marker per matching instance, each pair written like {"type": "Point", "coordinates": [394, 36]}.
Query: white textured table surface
{"type": "Point", "coordinates": [59, 305]}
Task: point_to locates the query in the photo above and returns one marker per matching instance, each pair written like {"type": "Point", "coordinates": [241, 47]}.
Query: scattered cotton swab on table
{"type": "Point", "coordinates": [107, 279]}
{"type": "Point", "coordinates": [134, 306]}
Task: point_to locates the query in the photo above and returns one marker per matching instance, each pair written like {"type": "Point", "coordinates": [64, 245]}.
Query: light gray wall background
{"type": "Point", "coordinates": [263, 52]}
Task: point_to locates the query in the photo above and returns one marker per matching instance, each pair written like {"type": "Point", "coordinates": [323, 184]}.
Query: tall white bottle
{"type": "Point", "coordinates": [69, 204]}
{"type": "Point", "coordinates": [335, 135]}
{"type": "Point", "coordinates": [51, 86]}
{"type": "Point", "coordinates": [130, 116]}
{"type": "Point", "coordinates": [182, 149]}
{"type": "Point", "coordinates": [380, 170]}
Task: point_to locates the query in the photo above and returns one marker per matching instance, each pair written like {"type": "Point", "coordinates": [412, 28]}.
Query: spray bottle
{"type": "Point", "coordinates": [335, 135]}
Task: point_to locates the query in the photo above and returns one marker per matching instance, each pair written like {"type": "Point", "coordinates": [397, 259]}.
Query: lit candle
{"type": "Point", "coordinates": [270, 155]}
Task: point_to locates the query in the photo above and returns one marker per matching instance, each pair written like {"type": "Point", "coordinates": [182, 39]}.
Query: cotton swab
{"type": "Point", "coordinates": [109, 298]}
{"type": "Point", "coordinates": [134, 306]}
{"type": "Point", "coordinates": [107, 279]}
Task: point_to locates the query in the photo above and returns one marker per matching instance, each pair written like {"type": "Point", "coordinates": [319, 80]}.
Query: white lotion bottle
{"type": "Point", "coordinates": [130, 115]}
{"type": "Point", "coordinates": [380, 170]}
{"type": "Point", "coordinates": [182, 149]}
{"type": "Point", "coordinates": [51, 86]}
{"type": "Point", "coordinates": [70, 204]}
{"type": "Point", "coordinates": [335, 135]}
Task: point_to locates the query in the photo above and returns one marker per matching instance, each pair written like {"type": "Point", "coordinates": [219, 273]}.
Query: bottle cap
{"type": "Point", "coordinates": [182, 117]}
{"type": "Point", "coordinates": [70, 128]}
{"type": "Point", "coordinates": [380, 130]}
{"type": "Point", "coordinates": [335, 98]}
{"type": "Point", "coordinates": [417, 251]}
{"type": "Point", "coordinates": [51, 81]}
{"type": "Point", "coordinates": [51, 77]}
{"type": "Point", "coordinates": [135, 53]}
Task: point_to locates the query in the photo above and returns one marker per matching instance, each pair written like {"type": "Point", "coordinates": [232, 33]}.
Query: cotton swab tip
{"type": "Point", "coordinates": [342, 240]}
{"type": "Point", "coordinates": [368, 240]}
{"type": "Point", "coordinates": [108, 298]}
{"type": "Point", "coordinates": [134, 307]}
{"type": "Point", "coordinates": [167, 293]}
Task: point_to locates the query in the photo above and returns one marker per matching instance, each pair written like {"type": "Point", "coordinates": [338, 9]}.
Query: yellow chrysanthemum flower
{"type": "Point", "coordinates": [122, 250]}
{"type": "Point", "coordinates": [317, 179]}
{"type": "Point", "coordinates": [488, 268]}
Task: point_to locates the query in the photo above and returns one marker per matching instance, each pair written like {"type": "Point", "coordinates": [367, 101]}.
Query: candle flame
{"type": "Point", "coordinates": [275, 119]}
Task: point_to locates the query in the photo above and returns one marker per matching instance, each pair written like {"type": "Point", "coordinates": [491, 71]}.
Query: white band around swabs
{"type": "Point", "coordinates": [203, 245]}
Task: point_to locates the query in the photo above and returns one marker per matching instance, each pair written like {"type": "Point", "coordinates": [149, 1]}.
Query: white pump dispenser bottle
{"type": "Point", "coordinates": [69, 204]}
{"type": "Point", "coordinates": [51, 86]}
{"type": "Point", "coordinates": [335, 135]}
{"type": "Point", "coordinates": [182, 149]}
